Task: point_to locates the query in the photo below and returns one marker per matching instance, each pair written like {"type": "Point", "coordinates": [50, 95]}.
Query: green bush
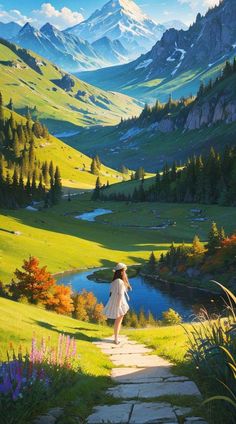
{"type": "Point", "coordinates": [171, 317]}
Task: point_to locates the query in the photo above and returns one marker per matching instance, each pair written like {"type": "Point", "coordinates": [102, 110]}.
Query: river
{"type": "Point", "coordinates": [150, 296]}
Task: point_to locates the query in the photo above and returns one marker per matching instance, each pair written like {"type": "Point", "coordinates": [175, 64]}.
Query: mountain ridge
{"type": "Point", "coordinates": [62, 101]}
{"type": "Point", "coordinates": [180, 58]}
{"type": "Point", "coordinates": [171, 131]}
{"type": "Point", "coordinates": [123, 20]}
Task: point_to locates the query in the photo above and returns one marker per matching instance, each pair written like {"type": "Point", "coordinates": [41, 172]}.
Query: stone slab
{"type": "Point", "coordinates": [125, 349]}
{"type": "Point", "coordinates": [152, 390]}
{"type": "Point", "coordinates": [112, 414]}
{"type": "Point", "coordinates": [149, 412]}
{"type": "Point", "coordinates": [177, 379]}
{"type": "Point", "coordinates": [140, 375]}
{"type": "Point", "coordinates": [139, 360]}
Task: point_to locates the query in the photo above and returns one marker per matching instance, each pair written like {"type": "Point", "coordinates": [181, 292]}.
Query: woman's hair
{"type": "Point", "coordinates": [122, 275]}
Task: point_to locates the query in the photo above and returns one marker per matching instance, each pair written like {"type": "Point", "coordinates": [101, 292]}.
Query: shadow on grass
{"type": "Point", "coordinates": [120, 239]}
{"type": "Point", "coordinates": [78, 335]}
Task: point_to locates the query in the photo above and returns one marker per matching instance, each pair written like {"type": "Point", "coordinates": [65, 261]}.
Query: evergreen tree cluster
{"type": "Point", "coordinates": [95, 166]}
{"type": "Point", "coordinates": [207, 179]}
{"type": "Point", "coordinates": [228, 70]}
{"type": "Point", "coordinates": [23, 178]}
{"type": "Point", "coordinates": [177, 108]}
{"type": "Point", "coordinates": [139, 174]}
{"type": "Point", "coordinates": [178, 258]}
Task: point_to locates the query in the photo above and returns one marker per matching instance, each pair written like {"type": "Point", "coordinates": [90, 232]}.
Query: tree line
{"type": "Point", "coordinates": [23, 178]}
{"type": "Point", "coordinates": [218, 254]}
{"type": "Point", "coordinates": [179, 108]}
{"type": "Point", "coordinates": [209, 179]}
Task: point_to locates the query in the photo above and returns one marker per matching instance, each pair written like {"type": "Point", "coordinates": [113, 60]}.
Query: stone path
{"type": "Point", "coordinates": [141, 378]}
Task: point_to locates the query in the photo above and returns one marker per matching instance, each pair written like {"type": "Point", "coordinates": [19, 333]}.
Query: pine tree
{"type": "Point", "coordinates": [213, 238]}
{"type": "Point", "coordinates": [222, 235]}
{"type": "Point", "coordinates": [97, 190]}
{"type": "Point", "coordinates": [152, 263]}
{"type": "Point", "coordinates": [94, 167]}
{"type": "Point", "coordinates": [16, 146]}
{"type": "Point", "coordinates": [10, 105]}
{"type": "Point", "coordinates": [197, 247]}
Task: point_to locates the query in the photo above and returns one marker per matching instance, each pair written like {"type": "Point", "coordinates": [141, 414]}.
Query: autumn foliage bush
{"type": "Point", "coordinates": [86, 308]}
{"type": "Point", "coordinates": [37, 286]}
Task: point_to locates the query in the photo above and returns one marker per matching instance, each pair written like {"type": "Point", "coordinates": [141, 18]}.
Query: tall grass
{"type": "Point", "coordinates": [212, 347]}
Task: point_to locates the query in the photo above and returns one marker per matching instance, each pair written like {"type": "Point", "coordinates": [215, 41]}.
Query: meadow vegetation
{"type": "Point", "coordinates": [20, 322]}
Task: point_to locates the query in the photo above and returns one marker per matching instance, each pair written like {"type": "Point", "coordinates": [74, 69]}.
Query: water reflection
{"type": "Point", "coordinates": [151, 296]}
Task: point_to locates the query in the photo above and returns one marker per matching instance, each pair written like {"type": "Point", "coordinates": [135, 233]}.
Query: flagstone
{"type": "Point", "coordinates": [112, 414]}
{"type": "Point", "coordinates": [152, 412]}
{"type": "Point", "coordinates": [135, 375]}
{"type": "Point", "coordinates": [142, 376]}
{"type": "Point", "coordinates": [139, 360]}
{"type": "Point", "coordinates": [152, 390]}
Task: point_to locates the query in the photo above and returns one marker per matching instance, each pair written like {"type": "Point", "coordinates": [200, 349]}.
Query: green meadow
{"type": "Point", "coordinates": [95, 367]}
{"type": "Point", "coordinates": [19, 323]}
{"type": "Point", "coordinates": [58, 108]}
{"type": "Point", "coordinates": [64, 243]}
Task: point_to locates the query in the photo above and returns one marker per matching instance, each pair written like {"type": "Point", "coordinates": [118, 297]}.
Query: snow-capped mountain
{"type": "Point", "coordinates": [66, 50]}
{"type": "Point", "coordinates": [113, 51]}
{"type": "Point", "coordinates": [193, 54]}
{"type": "Point", "coordinates": [9, 30]}
{"type": "Point", "coordinates": [122, 20]}
{"type": "Point", "coordinates": [176, 24]}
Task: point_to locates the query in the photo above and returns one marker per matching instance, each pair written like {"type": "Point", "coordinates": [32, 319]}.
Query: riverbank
{"type": "Point", "coordinates": [105, 275]}
{"type": "Point", "coordinates": [182, 284]}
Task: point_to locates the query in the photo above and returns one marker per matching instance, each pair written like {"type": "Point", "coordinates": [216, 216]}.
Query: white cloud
{"type": "Point", "coordinates": [199, 5]}
{"type": "Point", "coordinates": [62, 18]}
{"type": "Point", "coordinates": [14, 15]}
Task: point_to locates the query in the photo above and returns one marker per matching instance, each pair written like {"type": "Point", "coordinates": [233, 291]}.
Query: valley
{"type": "Point", "coordinates": [117, 153]}
{"type": "Point", "coordinates": [125, 234]}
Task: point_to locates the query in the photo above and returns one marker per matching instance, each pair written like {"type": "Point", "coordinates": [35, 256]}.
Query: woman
{"type": "Point", "coordinates": [117, 305]}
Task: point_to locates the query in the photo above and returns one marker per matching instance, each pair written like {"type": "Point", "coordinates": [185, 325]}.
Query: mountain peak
{"type": "Point", "coordinates": [27, 28]}
{"type": "Point", "coordinates": [123, 20]}
{"type": "Point", "coordinates": [48, 28]}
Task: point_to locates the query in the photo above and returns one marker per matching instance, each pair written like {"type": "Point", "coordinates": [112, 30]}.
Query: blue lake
{"type": "Point", "coordinates": [149, 296]}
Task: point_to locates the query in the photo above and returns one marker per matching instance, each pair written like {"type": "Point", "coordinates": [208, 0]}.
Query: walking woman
{"type": "Point", "coordinates": [117, 305]}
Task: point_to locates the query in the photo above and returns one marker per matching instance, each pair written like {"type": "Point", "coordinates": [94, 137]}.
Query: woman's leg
{"type": "Point", "coordinates": [117, 326]}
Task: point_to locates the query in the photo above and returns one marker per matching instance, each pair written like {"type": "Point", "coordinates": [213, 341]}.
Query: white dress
{"type": "Point", "coordinates": [112, 309]}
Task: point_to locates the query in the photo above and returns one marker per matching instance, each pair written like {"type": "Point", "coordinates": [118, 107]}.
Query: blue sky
{"type": "Point", "coordinates": [64, 13]}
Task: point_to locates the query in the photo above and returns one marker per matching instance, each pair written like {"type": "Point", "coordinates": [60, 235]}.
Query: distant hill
{"type": "Point", "coordinates": [171, 131]}
{"type": "Point", "coordinates": [60, 100]}
{"type": "Point", "coordinates": [74, 165]}
{"type": "Point", "coordinates": [9, 30]}
{"type": "Point", "coordinates": [179, 61]}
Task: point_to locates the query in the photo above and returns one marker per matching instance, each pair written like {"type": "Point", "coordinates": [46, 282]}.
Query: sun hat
{"type": "Point", "coordinates": [120, 266]}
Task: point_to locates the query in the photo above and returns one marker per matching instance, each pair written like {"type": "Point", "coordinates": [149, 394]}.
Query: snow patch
{"type": "Point", "coordinates": [130, 133]}
{"type": "Point", "coordinates": [31, 209]}
{"type": "Point", "coordinates": [144, 64]}
{"type": "Point", "coordinates": [183, 53]}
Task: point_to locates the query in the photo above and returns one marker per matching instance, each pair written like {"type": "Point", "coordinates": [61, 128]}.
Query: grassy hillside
{"type": "Point", "coordinates": [151, 149]}
{"type": "Point", "coordinates": [74, 166]}
{"type": "Point", "coordinates": [65, 243]}
{"type": "Point", "coordinates": [19, 323]}
{"type": "Point", "coordinates": [121, 78]}
{"type": "Point", "coordinates": [35, 82]}
{"type": "Point", "coordinates": [166, 132]}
